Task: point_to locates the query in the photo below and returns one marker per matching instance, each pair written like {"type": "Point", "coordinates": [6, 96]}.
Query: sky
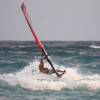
{"type": "Point", "coordinates": [64, 20]}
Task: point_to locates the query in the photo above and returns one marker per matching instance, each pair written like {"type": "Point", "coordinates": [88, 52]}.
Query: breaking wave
{"type": "Point", "coordinates": [30, 78]}
{"type": "Point", "coordinates": [96, 47]}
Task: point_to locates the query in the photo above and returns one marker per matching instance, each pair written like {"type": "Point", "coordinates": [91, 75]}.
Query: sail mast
{"type": "Point", "coordinates": [40, 45]}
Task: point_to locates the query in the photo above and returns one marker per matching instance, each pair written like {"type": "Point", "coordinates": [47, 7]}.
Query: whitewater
{"type": "Point", "coordinates": [30, 78]}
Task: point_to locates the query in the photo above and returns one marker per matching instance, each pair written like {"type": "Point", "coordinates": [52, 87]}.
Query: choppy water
{"type": "Point", "coordinates": [21, 80]}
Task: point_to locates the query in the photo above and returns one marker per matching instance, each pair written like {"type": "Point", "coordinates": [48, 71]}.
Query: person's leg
{"type": "Point", "coordinates": [60, 70]}
{"type": "Point", "coordinates": [51, 71]}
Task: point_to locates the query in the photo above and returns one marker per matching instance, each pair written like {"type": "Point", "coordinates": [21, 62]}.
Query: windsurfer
{"type": "Point", "coordinates": [45, 70]}
{"type": "Point", "coordinates": [41, 47]}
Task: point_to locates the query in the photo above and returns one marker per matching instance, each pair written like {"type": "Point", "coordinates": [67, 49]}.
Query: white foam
{"type": "Point", "coordinates": [30, 78]}
{"type": "Point", "coordinates": [96, 47]}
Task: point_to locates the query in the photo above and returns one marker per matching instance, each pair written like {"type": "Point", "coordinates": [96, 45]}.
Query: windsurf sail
{"type": "Point", "coordinates": [40, 45]}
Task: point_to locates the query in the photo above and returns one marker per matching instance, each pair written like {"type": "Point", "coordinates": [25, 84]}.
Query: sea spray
{"type": "Point", "coordinates": [30, 78]}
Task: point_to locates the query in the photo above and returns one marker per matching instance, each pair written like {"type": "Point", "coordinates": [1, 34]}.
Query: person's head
{"type": "Point", "coordinates": [41, 60]}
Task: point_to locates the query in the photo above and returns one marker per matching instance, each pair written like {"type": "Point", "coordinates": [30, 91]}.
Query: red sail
{"type": "Point", "coordinates": [25, 12]}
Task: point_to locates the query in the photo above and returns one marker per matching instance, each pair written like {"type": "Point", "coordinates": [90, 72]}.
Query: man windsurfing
{"type": "Point", "coordinates": [40, 46]}
{"type": "Point", "coordinates": [47, 71]}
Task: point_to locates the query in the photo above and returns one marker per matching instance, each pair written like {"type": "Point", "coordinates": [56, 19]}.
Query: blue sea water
{"type": "Point", "coordinates": [20, 78]}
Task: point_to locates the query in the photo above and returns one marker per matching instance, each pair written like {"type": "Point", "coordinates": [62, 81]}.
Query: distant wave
{"type": "Point", "coordinates": [96, 47]}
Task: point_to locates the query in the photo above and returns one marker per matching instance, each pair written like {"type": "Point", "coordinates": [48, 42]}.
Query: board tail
{"type": "Point", "coordinates": [40, 45]}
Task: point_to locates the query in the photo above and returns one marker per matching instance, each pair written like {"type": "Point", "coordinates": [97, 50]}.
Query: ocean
{"type": "Point", "coordinates": [20, 78]}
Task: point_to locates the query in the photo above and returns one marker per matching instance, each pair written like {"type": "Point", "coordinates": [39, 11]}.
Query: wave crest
{"type": "Point", "coordinates": [30, 78]}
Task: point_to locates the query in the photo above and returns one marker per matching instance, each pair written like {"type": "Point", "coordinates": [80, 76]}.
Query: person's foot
{"type": "Point", "coordinates": [62, 73]}
{"type": "Point", "coordinates": [64, 70]}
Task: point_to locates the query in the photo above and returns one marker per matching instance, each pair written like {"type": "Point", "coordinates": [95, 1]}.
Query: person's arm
{"type": "Point", "coordinates": [43, 56]}
{"type": "Point", "coordinates": [41, 61]}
